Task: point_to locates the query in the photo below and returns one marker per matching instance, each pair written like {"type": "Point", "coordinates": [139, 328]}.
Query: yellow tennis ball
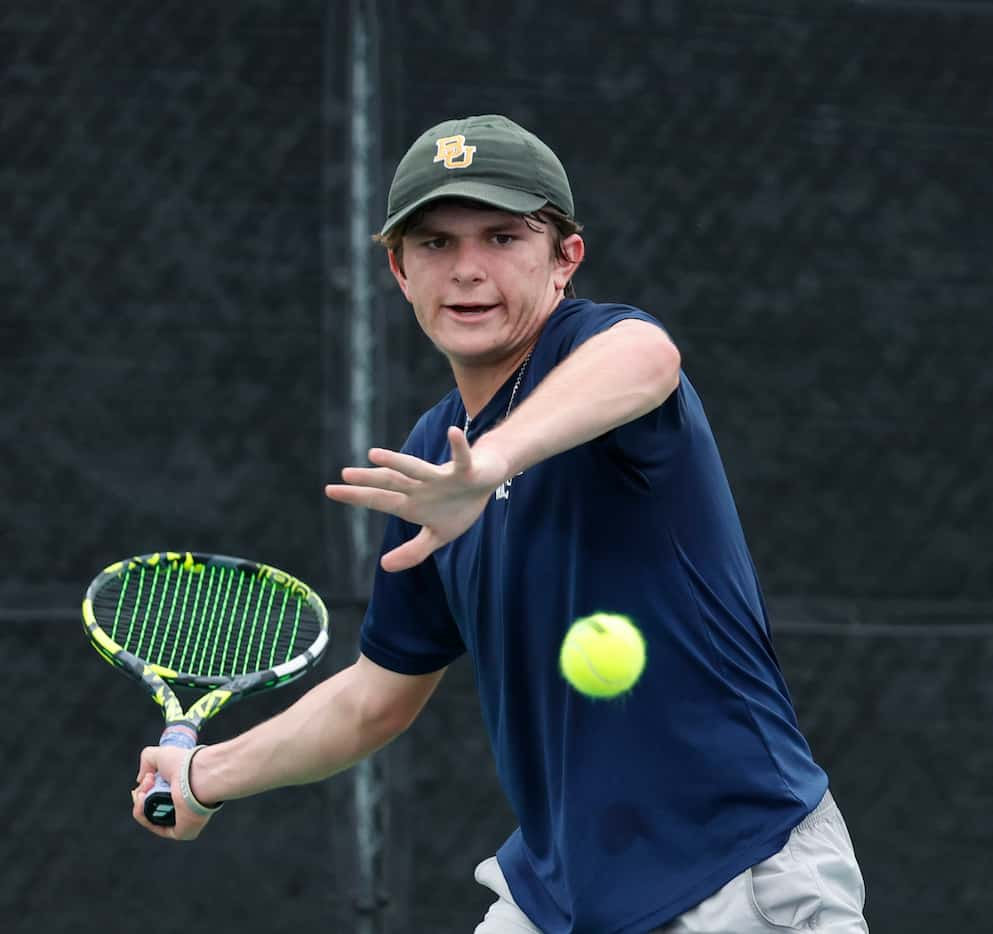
{"type": "Point", "coordinates": [602, 655]}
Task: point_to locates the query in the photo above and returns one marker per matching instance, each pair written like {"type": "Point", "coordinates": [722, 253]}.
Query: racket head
{"type": "Point", "coordinates": [209, 622]}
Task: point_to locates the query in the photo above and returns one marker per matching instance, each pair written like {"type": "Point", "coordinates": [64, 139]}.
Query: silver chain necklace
{"type": "Point", "coordinates": [513, 392]}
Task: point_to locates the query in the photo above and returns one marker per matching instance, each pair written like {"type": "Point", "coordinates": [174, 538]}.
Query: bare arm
{"type": "Point", "coordinates": [613, 378]}
{"type": "Point", "coordinates": [330, 728]}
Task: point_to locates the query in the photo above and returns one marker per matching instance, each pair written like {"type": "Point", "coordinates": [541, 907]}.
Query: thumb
{"type": "Point", "coordinates": [411, 552]}
{"type": "Point", "coordinates": [148, 763]}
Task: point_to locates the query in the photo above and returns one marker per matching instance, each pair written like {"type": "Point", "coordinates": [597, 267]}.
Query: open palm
{"type": "Point", "coordinates": [444, 499]}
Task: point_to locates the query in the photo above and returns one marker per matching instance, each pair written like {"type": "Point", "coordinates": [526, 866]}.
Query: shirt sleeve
{"type": "Point", "coordinates": [408, 627]}
{"type": "Point", "coordinates": [581, 327]}
{"type": "Point", "coordinates": [643, 449]}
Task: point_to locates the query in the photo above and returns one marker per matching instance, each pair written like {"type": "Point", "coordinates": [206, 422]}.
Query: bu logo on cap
{"type": "Point", "coordinates": [453, 151]}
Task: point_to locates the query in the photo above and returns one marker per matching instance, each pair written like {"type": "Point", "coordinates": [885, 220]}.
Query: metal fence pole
{"type": "Point", "coordinates": [370, 779]}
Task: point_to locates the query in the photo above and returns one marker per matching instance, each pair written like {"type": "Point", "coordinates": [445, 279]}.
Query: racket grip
{"type": "Point", "coordinates": [159, 808]}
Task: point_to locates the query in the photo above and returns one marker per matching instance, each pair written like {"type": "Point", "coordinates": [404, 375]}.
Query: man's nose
{"type": "Point", "coordinates": [468, 265]}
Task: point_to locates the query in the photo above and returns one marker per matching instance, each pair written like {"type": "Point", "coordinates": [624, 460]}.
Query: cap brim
{"type": "Point", "coordinates": [506, 199]}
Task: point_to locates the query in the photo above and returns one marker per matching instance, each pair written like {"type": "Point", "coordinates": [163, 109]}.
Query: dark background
{"type": "Point", "coordinates": [800, 191]}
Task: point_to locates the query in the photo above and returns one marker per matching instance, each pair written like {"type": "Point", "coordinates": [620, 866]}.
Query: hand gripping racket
{"type": "Point", "coordinates": [223, 625]}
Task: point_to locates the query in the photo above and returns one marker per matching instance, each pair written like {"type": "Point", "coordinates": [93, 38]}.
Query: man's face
{"type": "Point", "coordinates": [481, 281]}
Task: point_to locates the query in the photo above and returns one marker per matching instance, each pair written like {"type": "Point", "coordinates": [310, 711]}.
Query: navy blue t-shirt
{"type": "Point", "coordinates": [631, 810]}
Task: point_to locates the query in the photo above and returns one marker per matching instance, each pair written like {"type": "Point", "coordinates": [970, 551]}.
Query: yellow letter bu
{"type": "Point", "coordinates": [453, 151]}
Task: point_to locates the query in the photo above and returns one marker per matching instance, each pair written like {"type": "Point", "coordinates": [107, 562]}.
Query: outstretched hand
{"type": "Point", "coordinates": [443, 499]}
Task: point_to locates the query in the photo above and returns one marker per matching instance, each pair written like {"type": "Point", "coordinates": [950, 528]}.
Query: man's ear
{"type": "Point", "coordinates": [396, 267]}
{"type": "Point", "coordinates": [574, 249]}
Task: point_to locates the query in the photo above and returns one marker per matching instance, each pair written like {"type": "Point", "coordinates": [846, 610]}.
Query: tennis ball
{"type": "Point", "coordinates": [602, 655]}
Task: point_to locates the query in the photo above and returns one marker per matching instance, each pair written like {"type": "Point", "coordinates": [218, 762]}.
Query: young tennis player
{"type": "Point", "coordinates": [571, 470]}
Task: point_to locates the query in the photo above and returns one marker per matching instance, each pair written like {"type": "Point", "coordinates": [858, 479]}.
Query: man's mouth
{"type": "Point", "coordinates": [470, 309]}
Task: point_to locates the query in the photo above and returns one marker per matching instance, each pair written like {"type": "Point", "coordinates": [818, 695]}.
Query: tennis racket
{"type": "Point", "coordinates": [220, 625]}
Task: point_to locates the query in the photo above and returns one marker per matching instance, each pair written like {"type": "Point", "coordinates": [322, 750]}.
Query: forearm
{"type": "Point", "coordinates": [612, 379]}
{"type": "Point", "coordinates": [325, 732]}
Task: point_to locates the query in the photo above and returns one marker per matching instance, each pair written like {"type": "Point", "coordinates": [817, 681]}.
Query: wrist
{"type": "Point", "coordinates": [194, 802]}
{"type": "Point", "coordinates": [501, 467]}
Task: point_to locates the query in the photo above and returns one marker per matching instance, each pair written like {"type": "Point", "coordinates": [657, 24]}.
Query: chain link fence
{"type": "Point", "coordinates": [800, 193]}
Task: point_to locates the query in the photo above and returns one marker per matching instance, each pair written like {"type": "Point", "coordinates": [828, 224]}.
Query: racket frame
{"type": "Point", "coordinates": [222, 690]}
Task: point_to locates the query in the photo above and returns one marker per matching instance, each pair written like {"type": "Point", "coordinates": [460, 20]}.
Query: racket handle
{"type": "Point", "coordinates": [159, 808]}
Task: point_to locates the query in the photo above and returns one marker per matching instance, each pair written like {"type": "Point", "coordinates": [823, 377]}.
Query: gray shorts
{"type": "Point", "coordinates": [812, 884]}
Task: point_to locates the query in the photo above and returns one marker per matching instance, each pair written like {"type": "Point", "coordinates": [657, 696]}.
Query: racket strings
{"type": "Point", "coordinates": [218, 621]}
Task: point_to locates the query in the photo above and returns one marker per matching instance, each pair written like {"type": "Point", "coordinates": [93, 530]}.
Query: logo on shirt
{"type": "Point", "coordinates": [503, 491]}
{"type": "Point", "coordinates": [453, 152]}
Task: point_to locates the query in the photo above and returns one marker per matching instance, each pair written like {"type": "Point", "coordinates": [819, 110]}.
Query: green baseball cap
{"type": "Point", "coordinates": [488, 159]}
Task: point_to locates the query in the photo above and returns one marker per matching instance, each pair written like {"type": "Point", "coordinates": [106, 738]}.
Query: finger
{"type": "Point", "coordinates": [147, 763]}
{"type": "Point", "coordinates": [138, 804]}
{"type": "Point", "coordinates": [407, 464]}
{"type": "Point", "coordinates": [180, 832]}
{"type": "Point", "coordinates": [138, 813]}
{"type": "Point", "coordinates": [461, 452]}
{"type": "Point", "coordinates": [411, 553]}
{"type": "Point", "coordinates": [381, 478]}
{"type": "Point", "coordinates": [144, 785]}
{"type": "Point", "coordinates": [396, 504]}
{"type": "Point", "coordinates": [167, 833]}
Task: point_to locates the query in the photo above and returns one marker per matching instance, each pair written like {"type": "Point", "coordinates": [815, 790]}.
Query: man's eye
{"type": "Point", "coordinates": [503, 239]}
{"type": "Point", "coordinates": [435, 243]}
